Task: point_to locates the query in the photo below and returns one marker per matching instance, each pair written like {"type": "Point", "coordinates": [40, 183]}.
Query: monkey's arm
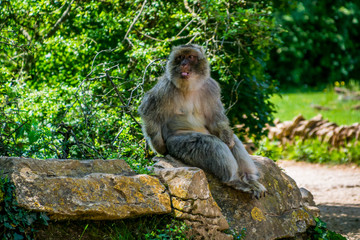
{"type": "Point", "coordinates": [218, 125]}
{"type": "Point", "coordinates": [154, 137]}
{"type": "Point", "coordinates": [152, 128]}
{"type": "Point", "coordinates": [223, 131]}
{"type": "Point", "coordinates": [216, 121]}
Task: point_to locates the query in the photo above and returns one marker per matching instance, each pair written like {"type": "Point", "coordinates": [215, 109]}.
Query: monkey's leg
{"type": "Point", "coordinates": [204, 151]}
{"type": "Point", "coordinates": [248, 172]}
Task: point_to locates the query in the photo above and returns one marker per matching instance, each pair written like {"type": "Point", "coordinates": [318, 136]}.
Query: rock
{"type": "Point", "coordinates": [288, 131]}
{"type": "Point", "coordinates": [305, 126]}
{"type": "Point", "coordinates": [356, 107]}
{"type": "Point", "coordinates": [282, 213]}
{"type": "Point", "coordinates": [339, 90]}
{"type": "Point", "coordinates": [299, 130]}
{"type": "Point", "coordinates": [314, 132]}
{"type": "Point", "coordinates": [320, 108]}
{"type": "Point", "coordinates": [306, 197]}
{"type": "Point", "coordinates": [316, 127]}
{"type": "Point", "coordinates": [350, 134]}
{"type": "Point", "coordinates": [329, 137]}
{"type": "Point", "coordinates": [307, 200]}
{"type": "Point", "coordinates": [274, 132]}
{"type": "Point", "coordinates": [91, 189]}
{"type": "Point", "coordinates": [191, 199]}
{"type": "Point", "coordinates": [109, 190]}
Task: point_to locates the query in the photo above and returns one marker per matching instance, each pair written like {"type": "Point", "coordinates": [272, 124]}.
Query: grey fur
{"type": "Point", "coordinates": [184, 117]}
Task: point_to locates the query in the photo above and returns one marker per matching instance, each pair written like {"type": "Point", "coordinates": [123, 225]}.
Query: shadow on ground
{"type": "Point", "coordinates": [342, 219]}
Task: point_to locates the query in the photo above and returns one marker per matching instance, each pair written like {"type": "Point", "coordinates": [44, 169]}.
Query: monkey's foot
{"type": "Point", "coordinates": [258, 190]}
{"type": "Point", "coordinates": [250, 186]}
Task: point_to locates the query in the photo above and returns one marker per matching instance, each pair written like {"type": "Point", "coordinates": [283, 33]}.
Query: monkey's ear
{"type": "Point", "coordinates": [202, 50]}
{"type": "Point", "coordinates": [175, 48]}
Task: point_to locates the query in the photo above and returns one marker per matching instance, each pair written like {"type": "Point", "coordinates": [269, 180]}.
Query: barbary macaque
{"type": "Point", "coordinates": [183, 116]}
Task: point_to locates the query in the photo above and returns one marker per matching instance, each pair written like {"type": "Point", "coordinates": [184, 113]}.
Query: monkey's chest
{"type": "Point", "coordinates": [192, 116]}
{"type": "Point", "coordinates": [189, 108]}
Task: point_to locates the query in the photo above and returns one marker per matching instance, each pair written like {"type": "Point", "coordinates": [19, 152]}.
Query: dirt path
{"type": "Point", "coordinates": [336, 191]}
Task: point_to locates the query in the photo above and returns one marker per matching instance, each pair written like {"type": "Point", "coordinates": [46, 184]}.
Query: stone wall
{"type": "Point", "coordinates": [109, 190]}
{"type": "Point", "coordinates": [316, 127]}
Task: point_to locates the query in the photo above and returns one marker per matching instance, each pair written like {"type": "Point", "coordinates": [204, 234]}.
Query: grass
{"type": "Point", "coordinates": [291, 104]}
{"type": "Point", "coordinates": [159, 227]}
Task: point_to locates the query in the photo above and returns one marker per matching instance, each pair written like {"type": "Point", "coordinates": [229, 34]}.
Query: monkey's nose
{"type": "Point", "coordinates": [184, 62]}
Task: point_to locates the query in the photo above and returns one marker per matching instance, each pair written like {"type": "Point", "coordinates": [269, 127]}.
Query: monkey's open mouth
{"type": "Point", "coordinates": [185, 74]}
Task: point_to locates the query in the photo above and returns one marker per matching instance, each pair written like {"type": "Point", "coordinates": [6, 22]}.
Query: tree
{"type": "Point", "coordinates": [318, 43]}
{"type": "Point", "coordinates": [93, 65]}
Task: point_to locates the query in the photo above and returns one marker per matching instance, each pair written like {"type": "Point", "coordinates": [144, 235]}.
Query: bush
{"type": "Point", "coordinates": [16, 222]}
{"type": "Point", "coordinates": [73, 73]}
{"type": "Point", "coordinates": [310, 150]}
{"type": "Point", "coordinates": [320, 231]}
{"type": "Point", "coordinates": [318, 43]}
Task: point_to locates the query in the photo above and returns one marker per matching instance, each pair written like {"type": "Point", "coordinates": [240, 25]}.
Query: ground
{"type": "Point", "coordinates": [336, 191]}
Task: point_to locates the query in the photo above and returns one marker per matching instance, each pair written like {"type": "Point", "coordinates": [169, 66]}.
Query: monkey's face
{"type": "Point", "coordinates": [187, 64]}
{"type": "Point", "coordinates": [187, 67]}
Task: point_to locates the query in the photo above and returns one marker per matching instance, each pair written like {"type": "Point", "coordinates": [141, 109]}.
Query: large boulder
{"type": "Point", "coordinates": [281, 214]}
{"type": "Point", "coordinates": [91, 189]}
{"type": "Point", "coordinates": [109, 190]}
{"type": "Point", "coordinates": [192, 200]}
{"type": "Point", "coordinates": [285, 211]}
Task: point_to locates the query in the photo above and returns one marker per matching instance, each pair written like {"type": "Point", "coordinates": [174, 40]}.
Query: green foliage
{"type": "Point", "coordinates": [320, 232]}
{"type": "Point", "coordinates": [174, 230]}
{"type": "Point", "coordinates": [237, 234]}
{"type": "Point", "coordinates": [15, 222]}
{"type": "Point", "coordinates": [310, 150]}
{"type": "Point", "coordinates": [144, 228]}
{"type": "Point", "coordinates": [318, 42]}
{"type": "Point", "coordinates": [60, 62]}
{"type": "Point", "coordinates": [270, 149]}
{"type": "Point", "coordinates": [46, 124]}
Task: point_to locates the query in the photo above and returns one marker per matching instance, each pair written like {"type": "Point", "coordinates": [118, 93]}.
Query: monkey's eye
{"type": "Point", "coordinates": [180, 58]}
{"type": "Point", "coordinates": [192, 57]}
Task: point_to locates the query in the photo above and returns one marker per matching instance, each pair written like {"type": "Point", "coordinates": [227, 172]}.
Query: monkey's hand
{"type": "Point", "coordinates": [158, 144]}
{"type": "Point", "coordinates": [227, 136]}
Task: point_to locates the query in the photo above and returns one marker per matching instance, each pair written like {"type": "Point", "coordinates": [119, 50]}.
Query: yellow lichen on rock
{"type": "Point", "coordinates": [277, 187]}
{"type": "Point", "coordinates": [300, 215]}
{"type": "Point", "coordinates": [257, 214]}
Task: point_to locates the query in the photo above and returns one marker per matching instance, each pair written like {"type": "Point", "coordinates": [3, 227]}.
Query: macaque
{"type": "Point", "coordinates": [183, 116]}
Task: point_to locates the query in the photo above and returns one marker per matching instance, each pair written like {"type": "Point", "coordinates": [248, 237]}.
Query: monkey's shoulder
{"type": "Point", "coordinates": [163, 88]}
{"type": "Point", "coordinates": [212, 87]}
{"type": "Point", "coordinates": [149, 103]}
{"type": "Point", "coordinates": [155, 97]}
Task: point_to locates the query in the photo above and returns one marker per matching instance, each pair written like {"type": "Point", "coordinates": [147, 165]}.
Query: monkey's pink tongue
{"type": "Point", "coordinates": [184, 74]}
